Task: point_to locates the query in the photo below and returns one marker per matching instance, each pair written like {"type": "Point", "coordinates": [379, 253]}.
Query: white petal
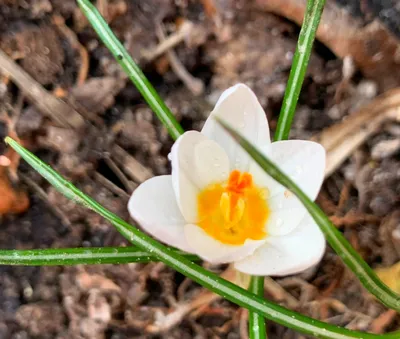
{"type": "Point", "coordinates": [213, 250]}
{"type": "Point", "coordinates": [304, 162]}
{"type": "Point", "coordinates": [153, 205]}
{"type": "Point", "coordinates": [196, 163]}
{"type": "Point", "coordinates": [239, 107]}
{"type": "Point", "coordinates": [288, 254]}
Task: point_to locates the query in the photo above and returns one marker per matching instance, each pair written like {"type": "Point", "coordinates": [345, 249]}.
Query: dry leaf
{"type": "Point", "coordinates": [12, 200]}
{"type": "Point", "coordinates": [390, 276]}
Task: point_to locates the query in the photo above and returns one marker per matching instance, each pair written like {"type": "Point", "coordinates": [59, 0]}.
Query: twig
{"type": "Point", "coordinates": [59, 21]}
{"type": "Point", "coordinates": [372, 47]}
{"type": "Point", "coordinates": [195, 85]}
{"type": "Point", "coordinates": [128, 184]}
{"type": "Point", "coordinates": [243, 327]}
{"type": "Point", "coordinates": [344, 196]}
{"type": "Point", "coordinates": [111, 186]}
{"type": "Point", "coordinates": [203, 299]}
{"type": "Point", "coordinates": [353, 219]}
{"type": "Point", "coordinates": [17, 110]}
{"type": "Point", "coordinates": [131, 166]}
{"type": "Point", "coordinates": [342, 139]}
{"type": "Point", "coordinates": [380, 323]}
{"type": "Point", "coordinates": [50, 106]}
{"type": "Point", "coordinates": [10, 154]}
{"type": "Point", "coordinates": [102, 6]}
{"type": "Point", "coordinates": [43, 195]}
{"type": "Point", "coordinates": [279, 294]}
{"type": "Point", "coordinates": [169, 42]}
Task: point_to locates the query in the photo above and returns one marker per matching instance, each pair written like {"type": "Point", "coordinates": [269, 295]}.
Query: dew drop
{"type": "Point", "coordinates": [299, 169]}
{"type": "Point", "coordinates": [279, 222]}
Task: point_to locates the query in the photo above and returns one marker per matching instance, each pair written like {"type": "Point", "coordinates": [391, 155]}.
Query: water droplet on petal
{"type": "Point", "coordinates": [279, 222]}
{"type": "Point", "coordinates": [299, 169]}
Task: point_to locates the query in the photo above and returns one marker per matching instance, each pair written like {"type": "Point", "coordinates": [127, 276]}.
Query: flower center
{"type": "Point", "coordinates": [233, 211]}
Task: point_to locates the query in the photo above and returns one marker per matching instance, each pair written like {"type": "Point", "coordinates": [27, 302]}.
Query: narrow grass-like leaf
{"type": "Point", "coordinates": [335, 238]}
{"type": "Point", "coordinates": [79, 256]}
{"type": "Point", "coordinates": [193, 271]}
{"type": "Point", "coordinates": [301, 58]}
{"type": "Point", "coordinates": [299, 67]}
{"type": "Point", "coordinates": [257, 326]}
{"type": "Point", "coordinates": [131, 68]}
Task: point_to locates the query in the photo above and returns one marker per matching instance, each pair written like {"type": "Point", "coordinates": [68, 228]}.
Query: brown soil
{"type": "Point", "coordinates": [123, 144]}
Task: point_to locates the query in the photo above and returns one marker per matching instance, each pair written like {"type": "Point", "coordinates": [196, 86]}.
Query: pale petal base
{"type": "Point", "coordinates": [288, 254]}
{"type": "Point", "coordinates": [153, 205]}
{"type": "Point", "coordinates": [213, 250]}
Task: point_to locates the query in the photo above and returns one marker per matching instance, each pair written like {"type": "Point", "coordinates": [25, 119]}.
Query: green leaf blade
{"type": "Point", "coordinates": [133, 71]}
{"type": "Point", "coordinates": [351, 258]}
{"type": "Point", "coordinates": [301, 58]}
{"type": "Point", "coordinates": [257, 326]}
{"type": "Point", "coordinates": [79, 256]}
{"type": "Point", "coordinates": [197, 273]}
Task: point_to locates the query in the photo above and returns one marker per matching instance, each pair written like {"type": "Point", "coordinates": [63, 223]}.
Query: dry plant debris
{"type": "Point", "coordinates": [75, 91]}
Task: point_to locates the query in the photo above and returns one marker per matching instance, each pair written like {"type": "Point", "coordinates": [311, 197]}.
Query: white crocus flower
{"type": "Point", "coordinates": [219, 204]}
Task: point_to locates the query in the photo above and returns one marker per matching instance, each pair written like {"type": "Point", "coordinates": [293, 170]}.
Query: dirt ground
{"type": "Point", "coordinates": [119, 143]}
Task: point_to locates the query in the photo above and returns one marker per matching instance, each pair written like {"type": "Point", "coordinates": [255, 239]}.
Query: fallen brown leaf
{"type": "Point", "coordinates": [12, 200]}
{"type": "Point", "coordinates": [390, 276]}
{"type": "Point", "coordinates": [343, 138]}
{"type": "Point", "coordinates": [372, 47]}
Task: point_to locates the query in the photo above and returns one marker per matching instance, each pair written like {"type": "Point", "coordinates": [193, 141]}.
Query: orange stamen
{"type": "Point", "coordinates": [235, 211]}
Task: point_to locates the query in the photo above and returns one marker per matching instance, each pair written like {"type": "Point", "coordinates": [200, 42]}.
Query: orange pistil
{"type": "Point", "coordinates": [234, 211]}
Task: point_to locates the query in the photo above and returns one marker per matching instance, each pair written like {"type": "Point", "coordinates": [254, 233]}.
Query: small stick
{"type": "Point", "coordinates": [170, 42]}
{"type": "Point", "coordinates": [111, 186]}
{"type": "Point", "coordinates": [74, 42]}
{"type": "Point", "coordinates": [203, 299]}
{"type": "Point", "coordinates": [43, 195]}
{"type": "Point", "coordinates": [132, 167]}
{"type": "Point", "coordinates": [344, 196]}
{"type": "Point", "coordinates": [102, 6]}
{"type": "Point", "coordinates": [17, 110]}
{"type": "Point", "coordinates": [129, 185]}
{"type": "Point", "coordinates": [342, 139]}
{"type": "Point", "coordinates": [50, 106]}
{"type": "Point", "coordinates": [354, 219]}
{"type": "Point", "coordinates": [380, 323]}
{"type": "Point", "coordinates": [195, 85]}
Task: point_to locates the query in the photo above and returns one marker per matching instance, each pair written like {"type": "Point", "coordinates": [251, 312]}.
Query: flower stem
{"type": "Point", "coordinates": [80, 256]}
{"type": "Point", "coordinates": [257, 326]}
{"type": "Point", "coordinates": [301, 57]}
{"type": "Point", "coordinates": [133, 71]}
{"type": "Point", "coordinates": [191, 270]}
